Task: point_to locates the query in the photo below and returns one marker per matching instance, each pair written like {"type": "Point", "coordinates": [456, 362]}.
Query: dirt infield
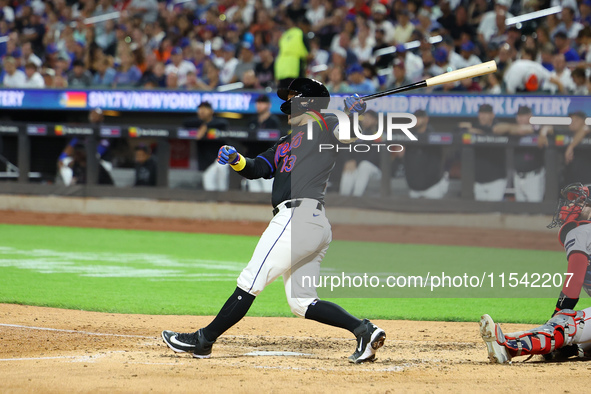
{"type": "Point", "coordinates": [54, 350]}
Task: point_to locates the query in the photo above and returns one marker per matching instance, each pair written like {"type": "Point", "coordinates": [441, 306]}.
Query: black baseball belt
{"type": "Point", "coordinates": [294, 204]}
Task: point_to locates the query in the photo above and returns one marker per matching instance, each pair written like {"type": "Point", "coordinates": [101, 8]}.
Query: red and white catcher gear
{"type": "Point", "coordinates": [564, 329]}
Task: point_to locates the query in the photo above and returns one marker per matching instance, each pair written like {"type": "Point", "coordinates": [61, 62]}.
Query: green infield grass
{"type": "Point", "coordinates": [149, 272]}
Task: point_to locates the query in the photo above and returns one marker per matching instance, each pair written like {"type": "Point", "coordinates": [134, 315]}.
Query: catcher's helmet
{"type": "Point", "coordinates": [573, 199]}
{"type": "Point", "coordinates": [308, 94]}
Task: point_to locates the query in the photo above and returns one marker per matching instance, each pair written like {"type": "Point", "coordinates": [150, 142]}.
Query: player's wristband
{"type": "Point", "coordinates": [565, 303]}
{"type": "Point", "coordinates": [239, 166]}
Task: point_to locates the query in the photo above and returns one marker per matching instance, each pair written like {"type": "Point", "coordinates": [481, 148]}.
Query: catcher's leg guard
{"type": "Point", "coordinates": [563, 329]}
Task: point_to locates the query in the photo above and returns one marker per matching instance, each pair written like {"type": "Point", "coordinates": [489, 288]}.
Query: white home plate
{"type": "Point", "coordinates": [268, 353]}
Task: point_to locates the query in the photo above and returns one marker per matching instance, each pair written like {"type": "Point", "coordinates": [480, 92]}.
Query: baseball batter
{"type": "Point", "coordinates": [568, 332]}
{"type": "Point", "coordinates": [299, 234]}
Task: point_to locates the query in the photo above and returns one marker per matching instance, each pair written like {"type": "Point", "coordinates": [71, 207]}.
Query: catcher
{"type": "Point", "coordinates": [566, 333]}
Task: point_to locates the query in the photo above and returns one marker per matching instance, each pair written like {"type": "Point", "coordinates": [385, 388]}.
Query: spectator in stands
{"type": "Point", "coordinates": [362, 44]}
{"type": "Point", "coordinates": [383, 56]}
{"type": "Point", "coordinates": [426, 24]}
{"type": "Point", "coordinates": [563, 45]}
{"type": "Point", "coordinates": [79, 77]}
{"type": "Point", "coordinates": [569, 24]}
{"type": "Point", "coordinates": [29, 56]}
{"type": "Point", "coordinates": [461, 28]}
{"type": "Point", "coordinates": [164, 50]}
{"type": "Point", "coordinates": [51, 55]}
{"type": "Point", "coordinates": [315, 12]}
{"type": "Point", "coordinates": [580, 82]}
{"type": "Point", "coordinates": [468, 85]}
{"type": "Point", "coordinates": [441, 56]}
{"type": "Point", "coordinates": [48, 75]}
{"type": "Point", "coordinates": [528, 161]}
{"type": "Point", "coordinates": [493, 83]}
{"type": "Point", "coordinates": [577, 165]}
{"type": "Point", "coordinates": [199, 57]}
{"type": "Point", "coordinates": [336, 81]}
{"type": "Point", "coordinates": [423, 164]}
{"type": "Point", "coordinates": [33, 78]}
{"type": "Point", "coordinates": [4, 37]}
{"type": "Point", "coordinates": [399, 73]}
{"type": "Point", "coordinates": [584, 42]}
{"type": "Point", "coordinates": [358, 82]}
{"type": "Point", "coordinates": [31, 29]}
{"type": "Point", "coordinates": [319, 58]}
{"type": "Point", "coordinates": [215, 175]}
{"type": "Point", "coordinates": [227, 64]}
{"type": "Point", "coordinates": [246, 61]}
{"type": "Point", "coordinates": [105, 74]}
{"type": "Point", "coordinates": [361, 167]}
{"type": "Point", "coordinates": [547, 56]}
{"type": "Point", "coordinates": [403, 28]}
{"type": "Point", "coordinates": [490, 165]}
{"type": "Point", "coordinates": [447, 18]}
{"type": "Point", "coordinates": [179, 66]}
{"type": "Point", "coordinates": [379, 21]}
{"type": "Point", "coordinates": [128, 73]}
{"type": "Point", "coordinates": [145, 166]}
{"type": "Point", "coordinates": [468, 58]}
{"type": "Point", "coordinates": [147, 9]}
{"type": "Point", "coordinates": [265, 68]}
{"type": "Point", "coordinates": [430, 69]}
{"type": "Point", "coordinates": [103, 7]}
{"type": "Point", "coordinates": [488, 23]}
{"type": "Point", "coordinates": [525, 75]}
{"type": "Point", "coordinates": [60, 81]}
{"type": "Point", "coordinates": [560, 80]}
{"type": "Point", "coordinates": [504, 57]}
{"type": "Point", "coordinates": [211, 79]}
{"type": "Point", "coordinates": [13, 77]}
{"type": "Point", "coordinates": [192, 82]}
{"type": "Point", "coordinates": [453, 57]}
{"type": "Point", "coordinates": [370, 72]}
{"type": "Point", "coordinates": [7, 11]}
{"type": "Point", "coordinates": [413, 64]}
{"type": "Point", "coordinates": [172, 80]}
{"type": "Point", "coordinates": [249, 81]}
{"type": "Point", "coordinates": [585, 12]}
{"type": "Point", "coordinates": [294, 47]}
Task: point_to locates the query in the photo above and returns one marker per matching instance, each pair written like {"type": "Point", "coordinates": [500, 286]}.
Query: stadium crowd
{"type": "Point", "coordinates": [353, 46]}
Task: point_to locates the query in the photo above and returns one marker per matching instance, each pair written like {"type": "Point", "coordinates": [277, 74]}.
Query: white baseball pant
{"type": "Point", "coordinates": [490, 191]}
{"type": "Point", "coordinates": [216, 177]}
{"type": "Point", "coordinates": [530, 186]}
{"type": "Point", "coordinates": [437, 191]}
{"type": "Point", "coordinates": [293, 245]}
{"type": "Point", "coordinates": [355, 182]}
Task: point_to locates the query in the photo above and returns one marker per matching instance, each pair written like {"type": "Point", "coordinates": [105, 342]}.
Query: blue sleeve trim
{"type": "Point", "coordinates": [270, 165]}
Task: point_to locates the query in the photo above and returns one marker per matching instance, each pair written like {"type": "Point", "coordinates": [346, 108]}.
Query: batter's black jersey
{"type": "Point", "coordinates": [299, 168]}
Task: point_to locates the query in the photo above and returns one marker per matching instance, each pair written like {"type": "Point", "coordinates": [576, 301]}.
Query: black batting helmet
{"type": "Point", "coordinates": [308, 94]}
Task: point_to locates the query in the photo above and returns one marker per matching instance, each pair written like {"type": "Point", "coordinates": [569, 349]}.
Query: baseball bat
{"type": "Point", "coordinates": [452, 76]}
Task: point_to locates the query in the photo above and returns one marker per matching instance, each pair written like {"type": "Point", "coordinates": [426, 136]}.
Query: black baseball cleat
{"type": "Point", "coordinates": [369, 339]}
{"type": "Point", "coordinates": [188, 343]}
